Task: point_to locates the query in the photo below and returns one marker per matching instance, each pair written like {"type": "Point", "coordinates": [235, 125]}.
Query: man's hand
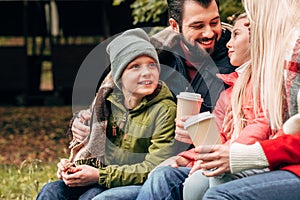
{"type": "Point", "coordinates": [80, 127]}
{"type": "Point", "coordinates": [175, 161]}
{"type": "Point", "coordinates": [82, 175]}
{"type": "Point", "coordinates": [180, 133]}
{"type": "Point", "coordinates": [180, 162]}
{"type": "Point", "coordinates": [212, 159]}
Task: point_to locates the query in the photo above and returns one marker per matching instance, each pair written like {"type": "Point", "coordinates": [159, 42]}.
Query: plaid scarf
{"type": "Point", "coordinates": [91, 151]}
{"type": "Point", "coordinates": [292, 67]}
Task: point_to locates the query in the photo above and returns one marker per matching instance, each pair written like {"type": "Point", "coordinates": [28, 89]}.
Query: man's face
{"type": "Point", "coordinates": [201, 26]}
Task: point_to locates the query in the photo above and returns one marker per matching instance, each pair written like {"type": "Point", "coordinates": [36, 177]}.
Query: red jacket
{"type": "Point", "coordinates": [283, 153]}
{"type": "Point", "coordinates": [256, 129]}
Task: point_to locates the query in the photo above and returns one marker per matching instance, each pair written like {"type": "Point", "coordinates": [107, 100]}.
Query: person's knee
{"type": "Point", "coordinates": [48, 191]}
{"type": "Point", "coordinates": [212, 193]}
{"type": "Point", "coordinates": [164, 171]}
{"type": "Point", "coordinates": [195, 180]}
{"type": "Point", "coordinates": [161, 177]}
{"type": "Point", "coordinates": [48, 187]}
{"type": "Point", "coordinates": [195, 186]}
{"type": "Point", "coordinates": [125, 192]}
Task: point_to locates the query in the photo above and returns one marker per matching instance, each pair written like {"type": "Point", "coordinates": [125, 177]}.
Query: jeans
{"type": "Point", "coordinates": [59, 190]}
{"type": "Point", "coordinates": [119, 193]}
{"type": "Point", "coordinates": [197, 184]}
{"type": "Point", "coordinates": [274, 185]}
{"type": "Point", "coordinates": [164, 183]}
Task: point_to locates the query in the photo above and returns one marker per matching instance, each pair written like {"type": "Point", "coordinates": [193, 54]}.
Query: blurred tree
{"type": "Point", "coordinates": [146, 10]}
{"type": "Point", "coordinates": [152, 10]}
{"type": "Point", "coordinates": [230, 8]}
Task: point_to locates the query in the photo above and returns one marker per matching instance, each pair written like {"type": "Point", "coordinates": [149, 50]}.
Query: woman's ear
{"type": "Point", "coordinates": [174, 25]}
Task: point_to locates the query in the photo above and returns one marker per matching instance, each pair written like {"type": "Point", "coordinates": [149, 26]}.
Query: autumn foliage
{"type": "Point", "coordinates": [28, 133]}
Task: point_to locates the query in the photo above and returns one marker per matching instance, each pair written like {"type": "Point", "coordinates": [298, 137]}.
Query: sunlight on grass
{"type": "Point", "coordinates": [26, 180]}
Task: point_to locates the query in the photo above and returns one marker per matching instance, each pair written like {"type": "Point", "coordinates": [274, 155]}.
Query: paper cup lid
{"type": "Point", "coordinates": [197, 118]}
{"type": "Point", "coordinates": [189, 96]}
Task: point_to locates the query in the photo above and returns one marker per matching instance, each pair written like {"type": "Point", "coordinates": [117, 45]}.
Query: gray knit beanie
{"type": "Point", "coordinates": [125, 48]}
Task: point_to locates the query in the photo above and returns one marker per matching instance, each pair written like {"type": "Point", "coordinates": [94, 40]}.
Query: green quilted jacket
{"type": "Point", "coordinates": [137, 139]}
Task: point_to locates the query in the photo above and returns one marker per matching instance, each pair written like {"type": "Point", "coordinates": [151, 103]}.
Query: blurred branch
{"type": "Point", "coordinates": [152, 10]}
{"type": "Point", "coordinates": [146, 10]}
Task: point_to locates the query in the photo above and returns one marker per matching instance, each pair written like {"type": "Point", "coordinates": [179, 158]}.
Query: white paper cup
{"type": "Point", "coordinates": [187, 104]}
{"type": "Point", "coordinates": [202, 129]}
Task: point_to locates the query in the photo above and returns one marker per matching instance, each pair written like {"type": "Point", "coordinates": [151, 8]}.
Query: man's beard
{"type": "Point", "coordinates": [195, 49]}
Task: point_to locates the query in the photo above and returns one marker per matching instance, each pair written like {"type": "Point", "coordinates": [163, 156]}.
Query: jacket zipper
{"type": "Point", "coordinates": [122, 125]}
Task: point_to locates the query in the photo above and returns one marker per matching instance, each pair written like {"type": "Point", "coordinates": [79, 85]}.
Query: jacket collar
{"type": "Point", "coordinates": [231, 78]}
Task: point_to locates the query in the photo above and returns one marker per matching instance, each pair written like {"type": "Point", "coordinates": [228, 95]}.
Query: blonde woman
{"type": "Point", "coordinates": [275, 55]}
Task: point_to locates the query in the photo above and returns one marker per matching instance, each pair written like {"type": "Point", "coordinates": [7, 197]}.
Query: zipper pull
{"type": "Point", "coordinates": [114, 128]}
{"type": "Point", "coordinates": [122, 124]}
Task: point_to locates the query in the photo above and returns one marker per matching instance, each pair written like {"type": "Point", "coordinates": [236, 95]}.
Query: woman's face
{"type": "Point", "coordinates": [140, 77]}
{"type": "Point", "coordinates": [239, 44]}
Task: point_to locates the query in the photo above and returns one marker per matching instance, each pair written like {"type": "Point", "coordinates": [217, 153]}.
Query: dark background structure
{"type": "Point", "coordinates": [32, 22]}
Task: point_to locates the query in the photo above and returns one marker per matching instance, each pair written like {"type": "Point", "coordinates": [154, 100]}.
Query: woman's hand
{"type": "Point", "coordinates": [212, 159]}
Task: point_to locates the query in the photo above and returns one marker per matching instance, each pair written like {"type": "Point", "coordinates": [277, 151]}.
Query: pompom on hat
{"type": "Point", "coordinates": [125, 48]}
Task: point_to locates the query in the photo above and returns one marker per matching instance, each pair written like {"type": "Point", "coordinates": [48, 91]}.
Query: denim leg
{"type": "Point", "coordinates": [274, 185]}
{"type": "Point", "coordinates": [58, 190]}
{"type": "Point", "coordinates": [164, 183]}
{"type": "Point", "coordinates": [195, 186]}
{"type": "Point", "coordinates": [119, 193]}
{"type": "Point", "coordinates": [93, 191]}
{"type": "Point", "coordinates": [226, 177]}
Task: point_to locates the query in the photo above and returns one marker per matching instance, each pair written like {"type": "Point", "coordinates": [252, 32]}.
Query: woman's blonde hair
{"type": "Point", "coordinates": [273, 23]}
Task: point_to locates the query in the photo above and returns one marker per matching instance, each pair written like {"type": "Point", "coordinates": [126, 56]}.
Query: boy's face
{"type": "Point", "coordinates": [140, 77]}
{"type": "Point", "coordinates": [201, 27]}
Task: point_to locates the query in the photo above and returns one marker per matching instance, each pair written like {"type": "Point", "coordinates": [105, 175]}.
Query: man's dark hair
{"type": "Point", "coordinates": [176, 8]}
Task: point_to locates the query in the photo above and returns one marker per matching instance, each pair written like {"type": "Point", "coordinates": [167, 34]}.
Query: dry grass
{"type": "Point", "coordinates": [32, 139]}
{"type": "Point", "coordinates": [33, 133]}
